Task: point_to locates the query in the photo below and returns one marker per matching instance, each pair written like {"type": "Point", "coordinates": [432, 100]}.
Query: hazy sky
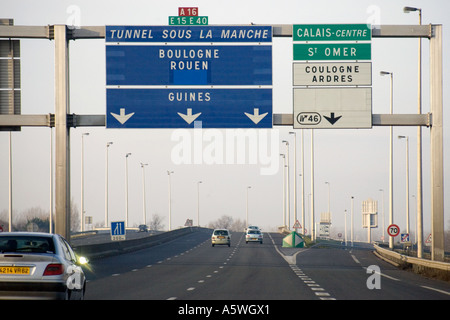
{"type": "Point", "coordinates": [354, 162]}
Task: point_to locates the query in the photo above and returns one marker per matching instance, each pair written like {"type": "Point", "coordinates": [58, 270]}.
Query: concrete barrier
{"type": "Point", "coordinates": [101, 250]}
{"type": "Point", "coordinates": [429, 268]}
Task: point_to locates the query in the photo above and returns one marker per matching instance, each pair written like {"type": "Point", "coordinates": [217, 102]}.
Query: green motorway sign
{"type": "Point", "coordinates": [188, 21]}
{"type": "Point", "coordinates": [332, 51]}
{"type": "Point", "coordinates": [332, 32]}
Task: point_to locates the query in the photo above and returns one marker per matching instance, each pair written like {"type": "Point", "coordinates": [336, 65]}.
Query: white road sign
{"type": "Point", "coordinates": [344, 108]}
{"type": "Point", "coordinates": [332, 74]}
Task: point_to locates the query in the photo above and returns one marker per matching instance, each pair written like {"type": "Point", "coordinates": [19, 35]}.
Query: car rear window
{"type": "Point", "coordinates": [220, 232]}
{"type": "Point", "coordinates": [24, 244]}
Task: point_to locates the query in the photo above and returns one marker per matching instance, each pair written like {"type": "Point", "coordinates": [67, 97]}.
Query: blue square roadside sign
{"type": "Point", "coordinates": [118, 230]}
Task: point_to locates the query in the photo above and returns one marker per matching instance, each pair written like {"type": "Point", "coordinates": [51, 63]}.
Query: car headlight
{"type": "Point", "coordinates": [83, 260]}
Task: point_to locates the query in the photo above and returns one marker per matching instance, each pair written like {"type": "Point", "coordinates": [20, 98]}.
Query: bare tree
{"type": "Point", "coordinates": [156, 222]}
{"type": "Point", "coordinates": [227, 222]}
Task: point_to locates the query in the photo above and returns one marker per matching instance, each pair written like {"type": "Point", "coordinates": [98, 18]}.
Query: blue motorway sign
{"type": "Point", "coordinates": [188, 65]}
{"type": "Point", "coordinates": [171, 76]}
{"type": "Point", "coordinates": [180, 108]}
{"type": "Point", "coordinates": [118, 230]}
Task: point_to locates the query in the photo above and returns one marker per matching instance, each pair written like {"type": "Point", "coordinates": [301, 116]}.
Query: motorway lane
{"type": "Point", "coordinates": [344, 275]}
{"type": "Point", "coordinates": [193, 270]}
{"type": "Point", "coordinates": [251, 271]}
{"type": "Point", "coordinates": [173, 271]}
{"type": "Point", "coordinates": [126, 276]}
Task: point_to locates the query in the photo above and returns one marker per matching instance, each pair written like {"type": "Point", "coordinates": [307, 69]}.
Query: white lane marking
{"type": "Point", "coordinates": [292, 261]}
{"type": "Point", "coordinates": [356, 260]}
{"type": "Point", "coordinates": [438, 290]}
{"type": "Point", "coordinates": [383, 275]}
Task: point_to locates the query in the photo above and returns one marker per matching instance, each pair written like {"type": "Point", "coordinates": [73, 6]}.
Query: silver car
{"type": "Point", "coordinates": [37, 265]}
{"type": "Point", "coordinates": [254, 235]}
{"type": "Point", "coordinates": [221, 236]}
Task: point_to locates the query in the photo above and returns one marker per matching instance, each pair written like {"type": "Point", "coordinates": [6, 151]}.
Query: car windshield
{"type": "Point", "coordinates": [220, 232]}
{"type": "Point", "coordinates": [34, 244]}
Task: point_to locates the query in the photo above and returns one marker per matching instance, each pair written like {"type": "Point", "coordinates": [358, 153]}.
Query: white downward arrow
{"type": "Point", "coordinates": [122, 117]}
{"type": "Point", "coordinates": [256, 117]}
{"type": "Point", "coordinates": [189, 117]}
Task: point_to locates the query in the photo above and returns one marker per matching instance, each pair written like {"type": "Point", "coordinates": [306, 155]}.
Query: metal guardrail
{"type": "Point", "coordinates": [434, 269]}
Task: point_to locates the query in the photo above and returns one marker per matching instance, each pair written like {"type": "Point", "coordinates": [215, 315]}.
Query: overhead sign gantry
{"type": "Point", "coordinates": [63, 120]}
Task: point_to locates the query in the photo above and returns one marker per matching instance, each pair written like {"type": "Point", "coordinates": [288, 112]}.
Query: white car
{"type": "Point", "coordinates": [36, 265]}
{"type": "Point", "coordinates": [221, 236]}
{"type": "Point", "coordinates": [253, 235]}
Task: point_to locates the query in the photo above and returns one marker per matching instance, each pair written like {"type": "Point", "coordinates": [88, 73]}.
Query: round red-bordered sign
{"type": "Point", "coordinates": [393, 230]}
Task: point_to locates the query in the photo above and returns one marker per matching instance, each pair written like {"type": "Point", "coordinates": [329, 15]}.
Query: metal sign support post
{"type": "Point", "coordinates": [437, 152]}
{"type": "Point", "coordinates": [62, 150]}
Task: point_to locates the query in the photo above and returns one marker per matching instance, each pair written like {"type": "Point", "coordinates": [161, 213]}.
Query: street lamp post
{"type": "Point", "coordinates": [198, 203]}
{"type": "Point", "coordinates": [391, 156]}
{"type": "Point", "coordinates": [351, 220]}
{"type": "Point", "coordinates": [407, 181]}
{"type": "Point", "coordinates": [82, 180]}
{"type": "Point", "coordinates": [419, 218]}
{"type": "Point", "coordinates": [170, 200]}
{"type": "Point", "coordinates": [288, 211]}
{"type": "Point", "coordinates": [384, 229]}
{"type": "Point", "coordinates": [106, 184]}
{"type": "Point", "coordinates": [284, 188]}
{"type": "Point", "coordinates": [329, 194]}
{"type": "Point", "coordinates": [295, 176]}
{"type": "Point", "coordinates": [249, 187]}
{"type": "Point", "coordinates": [345, 227]}
{"type": "Point", "coordinates": [126, 189]}
{"type": "Point", "coordinates": [313, 236]}
{"type": "Point", "coordinates": [303, 182]}
{"type": "Point", "coordinates": [144, 205]}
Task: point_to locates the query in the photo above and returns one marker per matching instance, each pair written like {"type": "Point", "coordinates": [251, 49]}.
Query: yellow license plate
{"type": "Point", "coordinates": [14, 270]}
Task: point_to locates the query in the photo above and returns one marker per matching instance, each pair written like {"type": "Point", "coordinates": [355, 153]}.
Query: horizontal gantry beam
{"type": "Point", "coordinates": [279, 30]}
{"type": "Point", "coordinates": [279, 119]}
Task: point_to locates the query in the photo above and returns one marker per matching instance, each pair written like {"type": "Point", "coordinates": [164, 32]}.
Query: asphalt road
{"type": "Point", "coordinates": [190, 269]}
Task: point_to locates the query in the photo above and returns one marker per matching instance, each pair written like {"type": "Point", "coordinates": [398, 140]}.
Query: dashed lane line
{"type": "Point", "coordinates": [291, 260]}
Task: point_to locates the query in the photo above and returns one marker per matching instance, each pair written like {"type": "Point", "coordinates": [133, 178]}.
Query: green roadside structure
{"type": "Point", "coordinates": [293, 240]}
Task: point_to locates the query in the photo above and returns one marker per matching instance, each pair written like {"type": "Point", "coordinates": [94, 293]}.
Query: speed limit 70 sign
{"type": "Point", "coordinates": [393, 230]}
